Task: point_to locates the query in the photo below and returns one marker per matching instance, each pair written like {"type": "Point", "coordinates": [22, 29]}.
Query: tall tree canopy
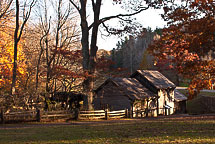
{"type": "Point", "coordinates": [188, 43]}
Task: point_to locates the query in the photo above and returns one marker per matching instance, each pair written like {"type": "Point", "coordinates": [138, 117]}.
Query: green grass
{"type": "Point", "coordinates": [129, 132]}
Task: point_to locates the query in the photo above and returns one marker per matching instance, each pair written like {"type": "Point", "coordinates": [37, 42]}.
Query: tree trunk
{"type": "Point", "coordinates": [85, 53]}
{"type": "Point", "coordinates": [48, 67]}
{"type": "Point", "coordinates": [93, 51]}
{"type": "Point", "coordinates": [17, 37]}
{"type": "Point", "coordinates": [89, 59]}
{"type": "Point", "coordinates": [38, 64]}
{"type": "Point", "coordinates": [16, 40]}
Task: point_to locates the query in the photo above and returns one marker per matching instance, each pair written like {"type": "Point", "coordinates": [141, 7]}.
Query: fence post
{"type": "Point", "coordinates": [141, 113]}
{"type": "Point", "coordinates": [131, 113]}
{"type": "Point", "coordinates": [77, 114]}
{"type": "Point", "coordinates": [165, 111]}
{"type": "Point", "coordinates": [2, 116]}
{"type": "Point", "coordinates": [126, 113]}
{"type": "Point", "coordinates": [106, 114]}
{"type": "Point", "coordinates": [136, 113]}
{"type": "Point", "coordinates": [147, 112]}
{"type": "Point", "coordinates": [38, 115]}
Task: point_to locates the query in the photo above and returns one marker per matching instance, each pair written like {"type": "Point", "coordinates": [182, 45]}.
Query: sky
{"type": "Point", "coordinates": [149, 18]}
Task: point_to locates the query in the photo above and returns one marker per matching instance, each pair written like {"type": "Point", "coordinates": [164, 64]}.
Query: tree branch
{"type": "Point", "coordinates": [77, 8]}
{"type": "Point", "coordinates": [26, 17]}
{"type": "Point", "coordinates": [116, 32]}
{"type": "Point", "coordinates": [93, 5]}
{"type": "Point", "coordinates": [5, 10]}
{"type": "Point", "coordinates": [119, 16]}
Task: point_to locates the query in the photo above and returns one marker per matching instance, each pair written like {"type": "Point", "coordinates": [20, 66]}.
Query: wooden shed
{"type": "Point", "coordinates": [180, 102]}
{"type": "Point", "coordinates": [123, 93]}
{"type": "Point", "coordinates": [160, 86]}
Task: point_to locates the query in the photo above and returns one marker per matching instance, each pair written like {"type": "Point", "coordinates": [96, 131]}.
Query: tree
{"type": "Point", "coordinates": [58, 55]}
{"type": "Point", "coordinates": [188, 43]}
{"type": "Point", "coordinates": [17, 37]}
{"type": "Point", "coordinates": [6, 48]}
{"type": "Point", "coordinates": [6, 58]}
{"type": "Point", "coordinates": [89, 49]}
{"type": "Point", "coordinates": [131, 53]}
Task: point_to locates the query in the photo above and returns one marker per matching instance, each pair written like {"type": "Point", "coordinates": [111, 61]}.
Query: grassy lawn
{"type": "Point", "coordinates": [158, 130]}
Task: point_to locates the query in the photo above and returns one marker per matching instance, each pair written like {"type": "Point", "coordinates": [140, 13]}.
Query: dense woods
{"type": "Point", "coordinates": [51, 46]}
{"type": "Point", "coordinates": [130, 52]}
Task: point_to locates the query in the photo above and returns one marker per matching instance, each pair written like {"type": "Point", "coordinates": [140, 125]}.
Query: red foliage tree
{"type": "Point", "coordinates": [189, 41]}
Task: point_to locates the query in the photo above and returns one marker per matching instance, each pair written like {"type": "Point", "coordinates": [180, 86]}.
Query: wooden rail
{"type": "Point", "coordinates": [56, 114]}
{"type": "Point", "coordinates": [35, 115]}
{"type": "Point", "coordinates": [38, 115]}
{"type": "Point", "coordinates": [102, 114]}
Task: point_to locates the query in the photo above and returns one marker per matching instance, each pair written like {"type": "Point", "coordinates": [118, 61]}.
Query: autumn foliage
{"type": "Point", "coordinates": [188, 42]}
{"type": "Point", "coordinates": [6, 57]}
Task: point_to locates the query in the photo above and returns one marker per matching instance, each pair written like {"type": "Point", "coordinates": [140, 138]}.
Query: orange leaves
{"type": "Point", "coordinates": [188, 43]}
{"type": "Point", "coordinates": [6, 58]}
{"type": "Point", "coordinates": [103, 64]}
{"type": "Point", "coordinates": [196, 85]}
{"type": "Point", "coordinates": [70, 66]}
{"type": "Point", "coordinates": [62, 72]}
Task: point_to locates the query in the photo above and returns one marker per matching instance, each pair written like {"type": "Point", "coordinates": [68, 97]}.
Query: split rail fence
{"type": "Point", "coordinates": [103, 114]}
{"type": "Point", "coordinates": [35, 115]}
{"type": "Point", "coordinates": [39, 115]}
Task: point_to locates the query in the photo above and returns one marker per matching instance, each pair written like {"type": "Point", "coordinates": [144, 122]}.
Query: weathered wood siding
{"type": "Point", "coordinates": [164, 96]}
{"type": "Point", "coordinates": [110, 96]}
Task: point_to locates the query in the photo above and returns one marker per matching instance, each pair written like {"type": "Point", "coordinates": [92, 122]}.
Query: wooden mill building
{"type": "Point", "coordinates": [180, 102]}
{"type": "Point", "coordinates": [145, 89]}
{"type": "Point", "coordinates": [121, 93]}
{"type": "Point", "coordinates": [160, 86]}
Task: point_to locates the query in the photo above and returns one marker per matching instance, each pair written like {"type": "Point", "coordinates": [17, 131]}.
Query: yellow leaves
{"type": "Point", "coordinates": [6, 57]}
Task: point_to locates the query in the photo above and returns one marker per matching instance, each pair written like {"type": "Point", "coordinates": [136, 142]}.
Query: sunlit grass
{"type": "Point", "coordinates": [141, 131]}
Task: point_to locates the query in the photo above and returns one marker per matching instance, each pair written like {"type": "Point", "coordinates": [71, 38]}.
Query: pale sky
{"type": "Point", "coordinates": [149, 18]}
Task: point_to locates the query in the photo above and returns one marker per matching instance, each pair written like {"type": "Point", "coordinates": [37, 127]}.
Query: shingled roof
{"type": "Point", "coordinates": [179, 96]}
{"type": "Point", "coordinates": [156, 78]}
{"type": "Point", "coordinates": [131, 87]}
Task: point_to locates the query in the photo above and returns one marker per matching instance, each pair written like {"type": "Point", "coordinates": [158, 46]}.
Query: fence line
{"type": "Point", "coordinates": [35, 115]}
{"type": "Point", "coordinates": [39, 115]}
{"type": "Point", "coordinates": [102, 114]}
